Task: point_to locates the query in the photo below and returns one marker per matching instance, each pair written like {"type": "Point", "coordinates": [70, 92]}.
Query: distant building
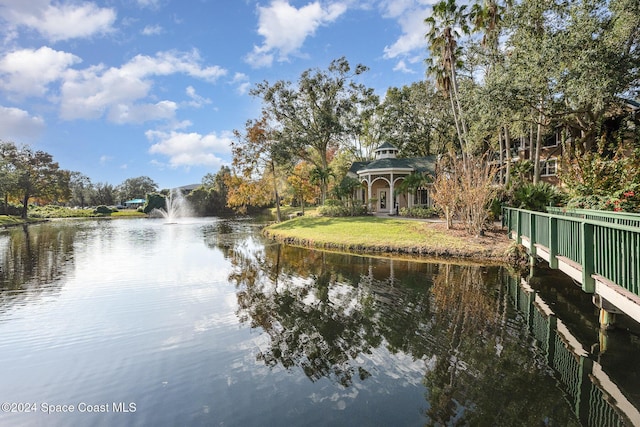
{"type": "Point", "coordinates": [380, 179]}
{"type": "Point", "coordinates": [134, 203]}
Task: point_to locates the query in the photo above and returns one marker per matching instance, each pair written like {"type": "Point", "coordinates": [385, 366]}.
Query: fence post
{"type": "Point", "coordinates": [519, 227]}
{"type": "Point", "coordinates": [532, 240]}
{"type": "Point", "coordinates": [587, 254]}
{"type": "Point", "coordinates": [532, 232]}
{"type": "Point", "coordinates": [553, 242]}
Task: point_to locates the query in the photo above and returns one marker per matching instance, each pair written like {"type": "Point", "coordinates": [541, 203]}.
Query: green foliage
{"type": "Point", "coordinates": [54, 211]}
{"type": "Point", "coordinates": [136, 188]}
{"type": "Point", "coordinates": [416, 119]}
{"type": "Point", "coordinates": [535, 197]}
{"type": "Point", "coordinates": [337, 209]}
{"type": "Point", "coordinates": [600, 173]}
{"type": "Point", "coordinates": [33, 174]}
{"type": "Point", "coordinates": [103, 210]}
{"type": "Point", "coordinates": [628, 199]}
{"type": "Point", "coordinates": [589, 202]}
{"type": "Point", "coordinates": [419, 212]}
{"type": "Point", "coordinates": [625, 200]}
{"type": "Point", "coordinates": [154, 201]}
{"type": "Point", "coordinates": [10, 209]}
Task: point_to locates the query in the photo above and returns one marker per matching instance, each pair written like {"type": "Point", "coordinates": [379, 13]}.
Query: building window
{"type": "Point", "coordinates": [549, 167]}
{"type": "Point", "coordinates": [422, 197]}
{"type": "Point", "coordinates": [554, 139]}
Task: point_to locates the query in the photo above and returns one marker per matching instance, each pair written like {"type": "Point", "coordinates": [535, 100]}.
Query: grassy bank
{"type": "Point", "coordinates": [43, 214]}
{"type": "Point", "coordinates": [391, 235]}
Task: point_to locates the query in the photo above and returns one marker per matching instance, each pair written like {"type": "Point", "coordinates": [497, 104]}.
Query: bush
{"type": "Point", "coordinates": [102, 210]}
{"type": "Point", "coordinates": [535, 197]}
{"type": "Point", "coordinates": [341, 210]}
{"type": "Point", "coordinates": [53, 211]}
{"type": "Point", "coordinates": [625, 200]}
{"type": "Point", "coordinates": [601, 203]}
{"type": "Point", "coordinates": [419, 212]}
{"type": "Point", "coordinates": [10, 209]}
{"type": "Point", "coordinates": [154, 201]}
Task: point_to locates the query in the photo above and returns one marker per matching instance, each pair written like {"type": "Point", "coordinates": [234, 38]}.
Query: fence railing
{"type": "Point", "coordinates": [622, 218]}
{"type": "Point", "coordinates": [606, 244]}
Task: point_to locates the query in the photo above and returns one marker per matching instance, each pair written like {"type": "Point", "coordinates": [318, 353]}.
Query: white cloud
{"type": "Point", "coordinates": [148, 3]}
{"type": "Point", "coordinates": [57, 20]}
{"type": "Point", "coordinates": [18, 125]}
{"type": "Point", "coordinates": [140, 113]}
{"type": "Point", "coordinates": [104, 159]}
{"type": "Point", "coordinates": [413, 31]}
{"type": "Point", "coordinates": [285, 28]}
{"type": "Point", "coordinates": [190, 149]}
{"type": "Point", "coordinates": [152, 30]}
{"type": "Point", "coordinates": [28, 72]}
{"type": "Point", "coordinates": [92, 92]}
{"type": "Point", "coordinates": [197, 101]}
{"type": "Point", "coordinates": [402, 66]}
{"type": "Point", "coordinates": [242, 82]}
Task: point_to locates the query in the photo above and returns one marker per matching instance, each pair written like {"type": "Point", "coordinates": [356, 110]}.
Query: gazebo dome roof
{"type": "Point", "coordinates": [386, 150]}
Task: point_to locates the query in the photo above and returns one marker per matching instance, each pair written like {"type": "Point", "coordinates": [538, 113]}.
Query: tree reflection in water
{"type": "Point", "coordinates": [322, 310]}
{"type": "Point", "coordinates": [34, 258]}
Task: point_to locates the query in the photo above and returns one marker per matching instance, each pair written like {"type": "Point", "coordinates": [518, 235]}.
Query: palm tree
{"type": "Point", "coordinates": [446, 25]}
{"type": "Point", "coordinates": [320, 176]}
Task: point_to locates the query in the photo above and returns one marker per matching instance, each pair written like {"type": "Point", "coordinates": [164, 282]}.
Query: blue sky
{"type": "Point", "coordinates": [123, 88]}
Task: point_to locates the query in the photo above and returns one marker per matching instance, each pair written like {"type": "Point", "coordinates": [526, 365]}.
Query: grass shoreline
{"type": "Point", "coordinates": [376, 235]}
{"type": "Point", "coordinates": [14, 221]}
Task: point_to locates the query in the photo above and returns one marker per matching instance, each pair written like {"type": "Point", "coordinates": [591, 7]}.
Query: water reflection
{"type": "Point", "coordinates": [224, 328]}
{"type": "Point", "coordinates": [34, 259]}
{"type": "Point", "coordinates": [322, 311]}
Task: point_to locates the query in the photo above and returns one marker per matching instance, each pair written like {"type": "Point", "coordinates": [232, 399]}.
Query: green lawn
{"type": "Point", "coordinates": [10, 220]}
{"type": "Point", "coordinates": [374, 233]}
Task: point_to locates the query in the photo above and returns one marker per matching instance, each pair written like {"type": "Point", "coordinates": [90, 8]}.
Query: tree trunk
{"type": "Point", "coordinates": [501, 144]}
{"type": "Point", "coordinates": [454, 86]}
{"type": "Point", "coordinates": [275, 190]}
{"type": "Point", "coordinates": [507, 143]}
{"type": "Point", "coordinates": [25, 205]}
{"type": "Point", "coordinates": [536, 158]}
{"type": "Point", "coordinates": [455, 119]}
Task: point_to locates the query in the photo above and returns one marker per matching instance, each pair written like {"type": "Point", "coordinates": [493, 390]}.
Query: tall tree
{"type": "Point", "coordinates": [8, 175]}
{"type": "Point", "coordinates": [81, 189]}
{"type": "Point", "coordinates": [257, 154]}
{"type": "Point", "coordinates": [446, 25]}
{"type": "Point", "coordinates": [299, 184]}
{"type": "Point", "coordinates": [136, 188]}
{"type": "Point", "coordinates": [103, 194]}
{"type": "Point", "coordinates": [37, 175]}
{"type": "Point", "coordinates": [416, 120]}
{"type": "Point", "coordinates": [316, 115]}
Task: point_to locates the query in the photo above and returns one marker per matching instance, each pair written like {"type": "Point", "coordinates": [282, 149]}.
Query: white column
{"type": "Point", "coordinates": [392, 197]}
{"type": "Point", "coordinates": [369, 195]}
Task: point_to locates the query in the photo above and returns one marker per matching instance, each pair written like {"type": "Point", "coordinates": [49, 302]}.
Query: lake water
{"type": "Point", "coordinates": [203, 322]}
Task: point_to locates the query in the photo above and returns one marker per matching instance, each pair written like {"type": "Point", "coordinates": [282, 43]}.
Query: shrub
{"type": "Point", "coordinates": [10, 209]}
{"type": "Point", "coordinates": [154, 201]}
{"type": "Point", "coordinates": [341, 210]}
{"type": "Point", "coordinates": [419, 212]}
{"type": "Point", "coordinates": [536, 197]}
{"type": "Point", "coordinates": [625, 200]}
{"type": "Point", "coordinates": [333, 202]}
{"type": "Point", "coordinates": [590, 202]}
{"type": "Point", "coordinates": [102, 210]}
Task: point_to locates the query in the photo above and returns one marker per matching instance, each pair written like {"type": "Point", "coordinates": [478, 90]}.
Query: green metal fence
{"type": "Point", "coordinates": [602, 243]}
{"type": "Point", "coordinates": [622, 218]}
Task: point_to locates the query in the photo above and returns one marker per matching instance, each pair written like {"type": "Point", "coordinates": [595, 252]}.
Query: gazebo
{"type": "Point", "coordinates": [381, 177]}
